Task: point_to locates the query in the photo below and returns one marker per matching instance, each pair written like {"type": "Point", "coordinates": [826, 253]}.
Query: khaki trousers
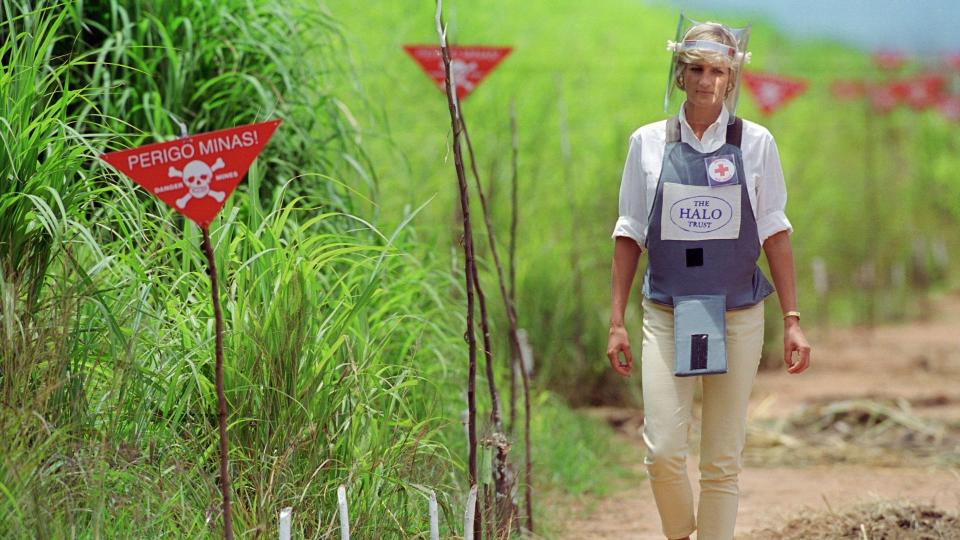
{"type": "Point", "coordinates": [667, 404]}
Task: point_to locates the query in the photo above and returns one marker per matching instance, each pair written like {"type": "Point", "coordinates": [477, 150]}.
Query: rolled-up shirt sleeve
{"type": "Point", "coordinates": [632, 222]}
{"type": "Point", "coordinates": [771, 194]}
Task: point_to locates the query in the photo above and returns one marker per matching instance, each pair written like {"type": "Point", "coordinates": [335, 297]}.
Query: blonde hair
{"type": "Point", "coordinates": [708, 31]}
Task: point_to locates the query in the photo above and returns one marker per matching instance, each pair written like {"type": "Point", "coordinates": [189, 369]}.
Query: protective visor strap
{"type": "Point", "coordinates": [673, 129]}
{"type": "Point", "coordinates": [735, 132]}
{"type": "Point", "coordinates": [694, 44]}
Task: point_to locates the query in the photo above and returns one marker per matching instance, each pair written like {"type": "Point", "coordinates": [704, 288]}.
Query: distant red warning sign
{"type": "Point", "coordinates": [470, 65]}
{"type": "Point", "coordinates": [772, 91]}
{"type": "Point", "coordinates": [924, 91]}
{"type": "Point", "coordinates": [195, 174]}
{"type": "Point", "coordinates": [889, 59]}
{"type": "Point", "coordinates": [885, 96]}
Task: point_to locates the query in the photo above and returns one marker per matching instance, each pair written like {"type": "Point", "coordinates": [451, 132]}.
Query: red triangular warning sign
{"type": "Point", "coordinates": [885, 96]}
{"type": "Point", "coordinates": [925, 91]}
{"type": "Point", "coordinates": [772, 91]}
{"type": "Point", "coordinates": [195, 174]}
{"type": "Point", "coordinates": [470, 65]}
{"type": "Point", "coordinates": [889, 59]}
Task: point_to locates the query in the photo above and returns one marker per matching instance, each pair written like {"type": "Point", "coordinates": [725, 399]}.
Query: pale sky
{"type": "Point", "coordinates": [918, 27]}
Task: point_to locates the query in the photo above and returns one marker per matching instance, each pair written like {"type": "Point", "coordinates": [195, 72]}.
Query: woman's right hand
{"type": "Point", "coordinates": [619, 342]}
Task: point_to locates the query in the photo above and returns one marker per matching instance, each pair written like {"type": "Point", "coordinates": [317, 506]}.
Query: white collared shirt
{"type": "Point", "coordinates": [762, 173]}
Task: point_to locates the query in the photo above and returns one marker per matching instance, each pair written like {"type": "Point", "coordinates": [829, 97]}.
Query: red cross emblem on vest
{"type": "Point", "coordinates": [720, 170]}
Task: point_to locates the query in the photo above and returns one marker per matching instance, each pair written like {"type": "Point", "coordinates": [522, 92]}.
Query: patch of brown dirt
{"type": "Point", "coordinates": [895, 384]}
{"type": "Point", "coordinates": [769, 498]}
{"type": "Point", "coordinates": [918, 361]}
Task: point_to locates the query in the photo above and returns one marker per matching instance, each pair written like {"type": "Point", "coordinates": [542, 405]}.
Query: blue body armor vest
{"type": "Point", "coordinates": [703, 262]}
{"type": "Point", "coordinates": [703, 245]}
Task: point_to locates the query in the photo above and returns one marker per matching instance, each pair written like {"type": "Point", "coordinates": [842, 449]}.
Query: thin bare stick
{"type": "Point", "coordinates": [502, 476]}
{"type": "Point", "coordinates": [528, 488]}
{"type": "Point", "coordinates": [456, 126]}
{"type": "Point", "coordinates": [487, 352]}
{"type": "Point", "coordinates": [511, 259]}
{"type": "Point", "coordinates": [221, 397]}
{"type": "Point", "coordinates": [511, 311]}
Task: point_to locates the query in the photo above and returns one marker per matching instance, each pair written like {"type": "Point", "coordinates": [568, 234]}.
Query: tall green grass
{"type": "Point", "coordinates": [344, 354]}
{"type": "Point", "coordinates": [340, 352]}
{"type": "Point", "coordinates": [43, 186]}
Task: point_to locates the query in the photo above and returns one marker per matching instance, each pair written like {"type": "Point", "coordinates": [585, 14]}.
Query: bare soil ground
{"type": "Point", "coordinates": [875, 419]}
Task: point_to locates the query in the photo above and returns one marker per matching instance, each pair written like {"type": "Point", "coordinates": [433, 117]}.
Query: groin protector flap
{"type": "Point", "coordinates": [700, 333]}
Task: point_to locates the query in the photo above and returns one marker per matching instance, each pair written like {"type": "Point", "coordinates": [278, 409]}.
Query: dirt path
{"type": "Point", "coordinates": [918, 362]}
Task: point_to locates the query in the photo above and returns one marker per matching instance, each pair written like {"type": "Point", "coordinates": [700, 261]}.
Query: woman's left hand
{"type": "Point", "coordinates": [794, 341]}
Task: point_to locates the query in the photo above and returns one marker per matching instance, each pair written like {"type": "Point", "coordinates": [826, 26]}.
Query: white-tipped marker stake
{"type": "Point", "coordinates": [434, 519]}
{"type": "Point", "coordinates": [468, 515]}
{"type": "Point", "coordinates": [285, 523]}
{"type": "Point", "coordinates": [938, 247]}
{"type": "Point", "coordinates": [344, 519]}
{"type": "Point", "coordinates": [821, 283]}
{"type": "Point", "coordinates": [526, 351]}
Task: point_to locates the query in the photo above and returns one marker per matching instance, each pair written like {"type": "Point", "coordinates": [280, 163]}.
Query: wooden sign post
{"type": "Point", "coordinates": [195, 175]}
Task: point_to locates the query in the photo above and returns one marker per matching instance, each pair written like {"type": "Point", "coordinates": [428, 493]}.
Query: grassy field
{"type": "Point", "coordinates": [341, 289]}
{"type": "Point", "coordinates": [345, 362]}
{"type": "Point", "coordinates": [870, 195]}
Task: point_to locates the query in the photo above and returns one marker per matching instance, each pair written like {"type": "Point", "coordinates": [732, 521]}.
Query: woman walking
{"type": "Point", "coordinates": [701, 194]}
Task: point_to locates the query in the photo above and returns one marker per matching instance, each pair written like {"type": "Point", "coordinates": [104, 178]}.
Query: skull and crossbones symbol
{"type": "Point", "coordinates": [196, 176]}
{"type": "Point", "coordinates": [461, 70]}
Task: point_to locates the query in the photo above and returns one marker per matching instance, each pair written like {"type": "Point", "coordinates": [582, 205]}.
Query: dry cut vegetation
{"type": "Point", "coordinates": [883, 520]}
{"type": "Point", "coordinates": [878, 432]}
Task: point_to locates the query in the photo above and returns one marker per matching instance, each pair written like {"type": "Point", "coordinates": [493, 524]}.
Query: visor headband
{"type": "Point", "coordinates": [712, 46]}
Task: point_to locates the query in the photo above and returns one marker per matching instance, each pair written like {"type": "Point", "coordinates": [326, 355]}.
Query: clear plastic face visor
{"type": "Point", "coordinates": [733, 58]}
